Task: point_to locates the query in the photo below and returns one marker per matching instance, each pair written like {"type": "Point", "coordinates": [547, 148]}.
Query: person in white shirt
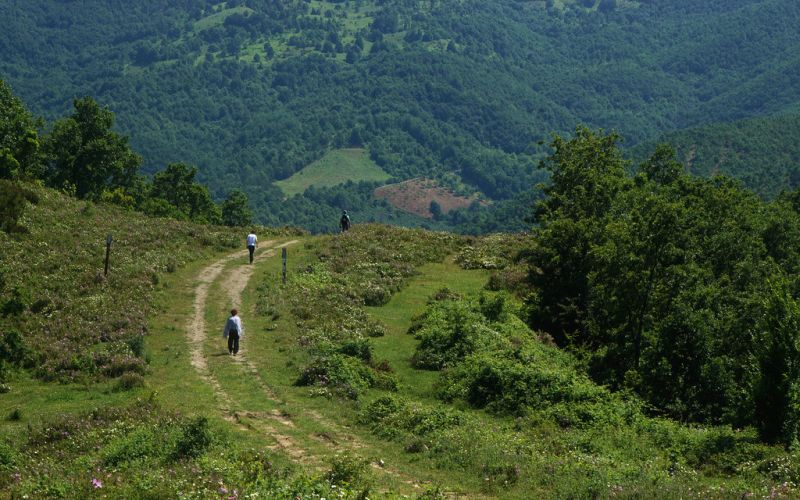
{"type": "Point", "coordinates": [252, 240]}
{"type": "Point", "coordinates": [233, 331]}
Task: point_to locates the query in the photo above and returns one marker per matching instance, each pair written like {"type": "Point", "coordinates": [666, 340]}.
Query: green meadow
{"type": "Point", "coordinates": [336, 167]}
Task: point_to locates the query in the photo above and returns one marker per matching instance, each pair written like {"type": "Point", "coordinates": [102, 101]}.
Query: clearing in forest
{"type": "Point", "coordinates": [336, 167]}
{"type": "Point", "coordinates": [415, 196]}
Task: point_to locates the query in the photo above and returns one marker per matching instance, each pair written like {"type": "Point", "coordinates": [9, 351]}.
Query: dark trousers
{"type": "Point", "coordinates": [252, 249]}
{"type": "Point", "coordinates": [233, 342]}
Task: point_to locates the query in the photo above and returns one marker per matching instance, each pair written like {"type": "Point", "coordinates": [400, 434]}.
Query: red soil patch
{"type": "Point", "coordinates": [415, 196]}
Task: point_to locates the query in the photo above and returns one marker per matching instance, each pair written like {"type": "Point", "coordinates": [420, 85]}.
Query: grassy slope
{"type": "Point", "coordinates": [263, 410]}
{"type": "Point", "coordinates": [336, 167]}
{"type": "Point", "coordinates": [638, 456]}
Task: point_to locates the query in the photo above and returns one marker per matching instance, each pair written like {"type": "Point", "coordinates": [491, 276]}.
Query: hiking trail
{"type": "Point", "coordinates": [276, 424]}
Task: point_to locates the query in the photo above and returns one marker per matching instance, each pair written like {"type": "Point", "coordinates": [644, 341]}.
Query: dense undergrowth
{"type": "Point", "coordinates": [60, 316]}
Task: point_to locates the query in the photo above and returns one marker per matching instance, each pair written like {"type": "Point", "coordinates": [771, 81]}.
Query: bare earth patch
{"type": "Point", "coordinates": [415, 196]}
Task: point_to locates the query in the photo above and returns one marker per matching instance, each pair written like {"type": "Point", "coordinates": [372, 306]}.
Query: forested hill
{"type": "Point", "coordinates": [252, 91]}
{"type": "Point", "coordinates": [764, 152]}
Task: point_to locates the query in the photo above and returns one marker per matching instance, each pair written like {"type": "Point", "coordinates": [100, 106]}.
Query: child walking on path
{"type": "Point", "coordinates": [233, 331]}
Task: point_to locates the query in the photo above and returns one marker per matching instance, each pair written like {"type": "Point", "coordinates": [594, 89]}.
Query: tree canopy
{"type": "Point", "coordinates": [681, 289]}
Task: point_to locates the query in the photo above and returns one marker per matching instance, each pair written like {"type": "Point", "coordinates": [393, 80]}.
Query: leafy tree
{"type": "Point", "coordinates": [236, 209]}
{"type": "Point", "coordinates": [176, 184]}
{"type": "Point", "coordinates": [586, 173]}
{"type": "Point", "coordinates": [435, 210]}
{"type": "Point", "coordinates": [777, 393]}
{"type": "Point", "coordinates": [655, 280]}
{"type": "Point", "coordinates": [85, 155]}
{"type": "Point", "coordinates": [20, 154]}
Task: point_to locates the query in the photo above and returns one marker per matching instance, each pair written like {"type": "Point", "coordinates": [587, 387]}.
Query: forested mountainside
{"type": "Point", "coordinates": [763, 153]}
{"type": "Point", "coordinates": [252, 91]}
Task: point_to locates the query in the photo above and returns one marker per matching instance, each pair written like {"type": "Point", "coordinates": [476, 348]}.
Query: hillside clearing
{"type": "Point", "coordinates": [416, 195]}
{"type": "Point", "coordinates": [336, 167]}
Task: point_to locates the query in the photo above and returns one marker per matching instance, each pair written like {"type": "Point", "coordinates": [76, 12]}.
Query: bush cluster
{"type": "Point", "coordinates": [362, 268]}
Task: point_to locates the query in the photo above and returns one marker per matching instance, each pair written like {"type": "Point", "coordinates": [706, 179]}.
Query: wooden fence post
{"type": "Point", "coordinates": [283, 256]}
{"type": "Point", "coordinates": [108, 252]}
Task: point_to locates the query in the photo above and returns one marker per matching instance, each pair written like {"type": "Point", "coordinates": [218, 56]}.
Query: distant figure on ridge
{"type": "Point", "coordinates": [233, 332]}
{"type": "Point", "coordinates": [252, 240]}
{"type": "Point", "coordinates": [344, 222]}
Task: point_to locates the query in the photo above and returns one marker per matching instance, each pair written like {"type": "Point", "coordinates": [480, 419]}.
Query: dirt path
{"type": "Point", "coordinates": [233, 284]}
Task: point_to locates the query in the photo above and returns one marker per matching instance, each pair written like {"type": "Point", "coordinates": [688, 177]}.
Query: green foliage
{"type": "Point", "coordinates": [777, 392]}
{"type": "Point", "coordinates": [653, 279]}
{"type": "Point", "coordinates": [193, 439]}
{"type": "Point", "coordinates": [176, 184]}
{"type": "Point", "coordinates": [450, 331]}
{"type": "Point", "coordinates": [20, 155]}
{"type": "Point", "coordinates": [342, 375]}
{"type": "Point", "coordinates": [13, 198]}
{"type": "Point", "coordinates": [7, 455]}
{"type": "Point", "coordinates": [347, 470]}
{"type": "Point", "coordinates": [752, 150]}
{"type": "Point", "coordinates": [236, 210]}
{"type": "Point", "coordinates": [130, 380]}
{"type": "Point", "coordinates": [86, 155]}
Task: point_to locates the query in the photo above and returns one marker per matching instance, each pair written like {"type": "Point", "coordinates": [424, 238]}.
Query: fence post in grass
{"type": "Point", "coordinates": [283, 257]}
{"type": "Point", "coordinates": [108, 252]}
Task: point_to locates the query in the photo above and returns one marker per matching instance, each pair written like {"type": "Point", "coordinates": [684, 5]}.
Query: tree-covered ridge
{"type": "Point", "coordinates": [253, 91]}
{"type": "Point", "coordinates": [683, 290]}
{"type": "Point", "coordinates": [762, 152]}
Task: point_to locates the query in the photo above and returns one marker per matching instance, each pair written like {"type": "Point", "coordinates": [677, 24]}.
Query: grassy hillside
{"type": "Point", "coordinates": [375, 369]}
{"type": "Point", "coordinates": [76, 323]}
{"type": "Point", "coordinates": [256, 91]}
{"type": "Point", "coordinates": [336, 167]}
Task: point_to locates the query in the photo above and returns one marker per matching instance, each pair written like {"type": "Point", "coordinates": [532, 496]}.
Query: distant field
{"type": "Point", "coordinates": [415, 196]}
{"type": "Point", "coordinates": [218, 18]}
{"type": "Point", "coordinates": [336, 167]}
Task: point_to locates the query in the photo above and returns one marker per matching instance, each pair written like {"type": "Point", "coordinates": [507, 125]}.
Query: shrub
{"type": "Point", "coordinates": [136, 345]}
{"type": "Point", "coordinates": [16, 304]}
{"type": "Point", "coordinates": [193, 439]}
{"type": "Point", "coordinates": [345, 375]}
{"type": "Point", "coordinates": [129, 380]}
{"type": "Point", "coordinates": [347, 470]}
{"type": "Point", "coordinates": [12, 348]}
{"type": "Point", "coordinates": [15, 415]}
{"type": "Point", "coordinates": [145, 442]}
{"type": "Point", "coordinates": [360, 349]}
{"type": "Point", "coordinates": [13, 198]}
{"type": "Point", "coordinates": [393, 417]}
{"type": "Point", "coordinates": [508, 386]}
{"type": "Point", "coordinates": [451, 331]}
{"type": "Point", "coordinates": [8, 456]}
